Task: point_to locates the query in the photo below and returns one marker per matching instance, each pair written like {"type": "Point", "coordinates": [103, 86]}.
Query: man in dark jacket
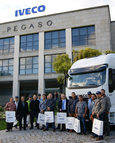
{"type": "Point", "coordinates": [34, 110]}
{"type": "Point", "coordinates": [106, 118]}
{"type": "Point", "coordinates": [50, 106]}
{"type": "Point", "coordinates": [72, 104]}
{"type": "Point", "coordinates": [62, 107]}
{"type": "Point", "coordinates": [22, 112]}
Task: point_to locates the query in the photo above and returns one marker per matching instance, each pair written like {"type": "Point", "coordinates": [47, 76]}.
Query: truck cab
{"type": "Point", "coordinates": [93, 74]}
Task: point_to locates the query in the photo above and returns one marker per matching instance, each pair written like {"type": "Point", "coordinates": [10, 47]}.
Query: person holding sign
{"type": "Point", "coordinates": [80, 112]}
{"type": "Point", "coordinates": [22, 112]}
{"type": "Point", "coordinates": [108, 105]}
{"type": "Point", "coordinates": [10, 106]}
{"type": "Point", "coordinates": [72, 105]}
{"type": "Point", "coordinates": [50, 106]}
{"type": "Point", "coordinates": [62, 107]}
{"type": "Point", "coordinates": [42, 107]}
{"type": "Point", "coordinates": [99, 111]}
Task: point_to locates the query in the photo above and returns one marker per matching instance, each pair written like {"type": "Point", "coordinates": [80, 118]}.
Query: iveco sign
{"type": "Point", "coordinates": [27, 11]}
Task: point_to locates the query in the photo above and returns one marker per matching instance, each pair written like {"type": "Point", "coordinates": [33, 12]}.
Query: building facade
{"type": "Point", "coordinates": [28, 47]}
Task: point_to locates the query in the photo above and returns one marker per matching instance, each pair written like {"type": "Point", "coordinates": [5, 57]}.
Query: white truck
{"type": "Point", "coordinates": [93, 74]}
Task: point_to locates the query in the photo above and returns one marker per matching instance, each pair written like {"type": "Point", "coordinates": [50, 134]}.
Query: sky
{"type": "Point", "coordinates": [8, 7]}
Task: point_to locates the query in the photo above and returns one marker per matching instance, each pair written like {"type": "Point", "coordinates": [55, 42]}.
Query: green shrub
{"type": "Point", "coordinates": [2, 125]}
{"type": "Point", "coordinates": [1, 109]}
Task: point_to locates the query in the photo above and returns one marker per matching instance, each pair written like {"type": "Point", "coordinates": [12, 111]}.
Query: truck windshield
{"type": "Point", "coordinates": [92, 79]}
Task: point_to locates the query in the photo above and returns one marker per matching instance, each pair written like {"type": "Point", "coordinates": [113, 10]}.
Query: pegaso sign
{"type": "Point", "coordinates": [27, 11]}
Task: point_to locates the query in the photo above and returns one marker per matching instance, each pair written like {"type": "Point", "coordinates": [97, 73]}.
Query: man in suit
{"type": "Point", "coordinates": [62, 107]}
{"type": "Point", "coordinates": [34, 111]}
{"type": "Point", "coordinates": [22, 112]}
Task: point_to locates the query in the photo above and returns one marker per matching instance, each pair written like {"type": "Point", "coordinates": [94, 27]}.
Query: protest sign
{"type": "Point", "coordinates": [97, 127]}
{"type": "Point", "coordinates": [49, 117]}
{"type": "Point", "coordinates": [61, 118]}
{"type": "Point", "coordinates": [41, 119]}
{"type": "Point", "coordinates": [70, 123]}
{"type": "Point", "coordinates": [10, 116]}
{"type": "Point", "coordinates": [77, 127]}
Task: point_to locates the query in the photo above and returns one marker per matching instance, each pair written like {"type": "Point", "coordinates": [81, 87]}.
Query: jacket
{"type": "Point", "coordinates": [99, 107]}
{"type": "Point", "coordinates": [60, 105]}
{"type": "Point", "coordinates": [42, 105]}
{"type": "Point", "coordinates": [50, 103]}
{"type": "Point", "coordinates": [10, 106]}
{"type": "Point", "coordinates": [34, 107]}
{"type": "Point", "coordinates": [72, 105]}
{"type": "Point", "coordinates": [22, 110]}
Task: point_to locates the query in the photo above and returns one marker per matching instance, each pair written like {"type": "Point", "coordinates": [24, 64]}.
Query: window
{"type": "Point", "coordinates": [6, 67]}
{"type": "Point", "coordinates": [29, 65]}
{"type": "Point", "coordinates": [49, 63]}
{"type": "Point", "coordinates": [29, 42]}
{"type": "Point", "coordinates": [83, 36]}
{"type": "Point", "coordinates": [6, 45]}
{"type": "Point", "coordinates": [55, 39]}
{"type": "Point", "coordinates": [111, 80]}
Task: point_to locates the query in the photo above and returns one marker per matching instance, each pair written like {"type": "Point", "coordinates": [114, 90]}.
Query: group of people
{"type": "Point", "coordinates": [97, 106]}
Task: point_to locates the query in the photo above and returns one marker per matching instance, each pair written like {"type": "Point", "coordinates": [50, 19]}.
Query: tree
{"type": "Point", "coordinates": [85, 53]}
{"type": "Point", "coordinates": [61, 65]}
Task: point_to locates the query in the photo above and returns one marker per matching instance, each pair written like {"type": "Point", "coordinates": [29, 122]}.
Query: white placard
{"type": "Point", "coordinates": [41, 119]}
{"type": "Point", "coordinates": [10, 116]}
{"type": "Point", "coordinates": [70, 123]}
{"type": "Point", "coordinates": [77, 127]}
{"type": "Point", "coordinates": [97, 127]}
{"type": "Point", "coordinates": [49, 117]}
{"type": "Point", "coordinates": [61, 118]}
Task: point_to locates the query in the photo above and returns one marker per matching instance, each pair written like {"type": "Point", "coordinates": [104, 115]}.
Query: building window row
{"type": "Point", "coordinates": [6, 45]}
{"type": "Point", "coordinates": [54, 39]}
{"type": "Point", "coordinates": [6, 67]}
{"type": "Point", "coordinates": [28, 65]}
{"type": "Point", "coordinates": [83, 36]}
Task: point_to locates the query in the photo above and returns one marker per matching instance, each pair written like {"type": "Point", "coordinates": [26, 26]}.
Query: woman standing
{"type": "Point", "coordinates": [10, 106]}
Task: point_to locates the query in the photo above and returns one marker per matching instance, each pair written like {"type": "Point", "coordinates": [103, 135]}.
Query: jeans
{"type": "Point", "coordinates": [82, 123]}
{"type": "Point", "coordinates": [53, 124]}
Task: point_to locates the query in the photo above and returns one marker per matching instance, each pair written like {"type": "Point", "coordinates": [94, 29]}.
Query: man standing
{"type": "Point", "coordinates": [106, 119]}
{"type": "Point", "coordinates": [62, 107]}
{"type": "Point", "coordinates": [72, 105]}
{"type": "Point", "coordinates": [22, 112]}
{"type": "Point", "coordinates": [28, 102]}
{"type": "Point", "coordinates": [34, 110]}
{"type": "Point", "coordinates": [42, 107]}
{"type": "Point", "coordinates": [98, 111]}
{"type": "Point", "coordinates": [80, 112]}
{"type": "Point", "coordinates": [50, 106]}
